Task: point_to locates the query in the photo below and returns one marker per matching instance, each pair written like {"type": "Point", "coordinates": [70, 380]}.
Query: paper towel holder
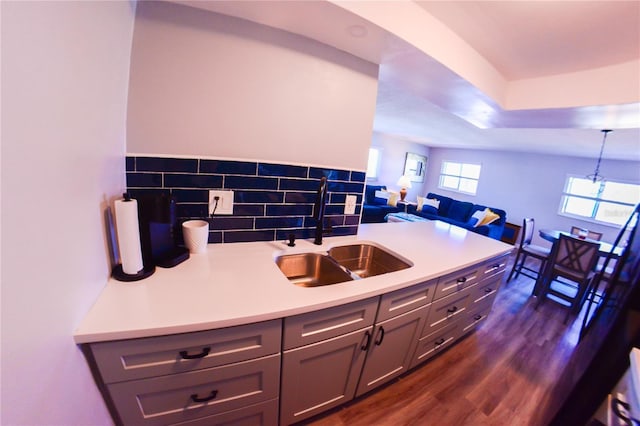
{"type": "Point", "coordinates": [117, 271]}
{"type": "Point", "coordinates": [119, 274]}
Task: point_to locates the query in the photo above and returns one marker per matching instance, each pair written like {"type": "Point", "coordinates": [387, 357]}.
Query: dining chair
{"type": "Point", "coordinates": [618, 273]}
{"type": "Point", "coordinates": [573, 260]}
{"type": "Point", "coordinates": [525, 250]}
{"type": "Point", "coordinates": [592, 235]}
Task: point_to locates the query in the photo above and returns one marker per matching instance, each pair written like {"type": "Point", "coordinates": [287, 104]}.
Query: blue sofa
{"type": "Point", "coordinates": [460, 213]}
{"type": "Point", "coordinates": [375, 209]}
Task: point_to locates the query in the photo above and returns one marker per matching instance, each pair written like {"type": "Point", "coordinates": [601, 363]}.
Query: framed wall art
{"type": "Point", "coordinates": [415, 166]}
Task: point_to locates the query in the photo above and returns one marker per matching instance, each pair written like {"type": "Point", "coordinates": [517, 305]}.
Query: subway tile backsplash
{"type": "Point", "coordinates": [271, 201]}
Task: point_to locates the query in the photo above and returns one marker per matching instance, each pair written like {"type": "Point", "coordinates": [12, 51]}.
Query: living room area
{"type": "Point", "coordinates": [523, 184]}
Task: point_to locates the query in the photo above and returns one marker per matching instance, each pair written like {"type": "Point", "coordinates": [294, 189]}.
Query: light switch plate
{"type": "Point", "coordinates": [350, 204]}
{"type": "Point", "coordinates": [225, 202]}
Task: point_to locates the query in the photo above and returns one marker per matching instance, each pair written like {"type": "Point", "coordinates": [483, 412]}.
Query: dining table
{"type": "Point", "coordinates": [553, 235]}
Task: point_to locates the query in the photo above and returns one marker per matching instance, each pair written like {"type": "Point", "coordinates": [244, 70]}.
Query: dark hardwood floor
{"type": "Point", "coordinates": [496, 375]}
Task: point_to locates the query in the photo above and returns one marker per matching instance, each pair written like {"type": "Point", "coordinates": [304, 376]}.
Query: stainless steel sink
{"type": "Point", "coordinates": [340, 264]}
{"type": "Point", "coordinates": [366, 260]}
{"type": "Point", "coordinates": [311, 269]}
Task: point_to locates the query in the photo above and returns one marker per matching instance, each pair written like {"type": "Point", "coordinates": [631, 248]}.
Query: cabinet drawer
{"type": "Point", "coordinates": [186, 396]}
{"type": "Point", "coordinates": [263, 414]}
{"type": "Point", "coordinates": [457, 281]}
{"type": "Point", "coordinates": [475, 317]}
{"type": "Point", "coordinates": [446, 311]}
{"type": "Point", "coordinates": [154, 356]}
{"type": "Point", "coordinates": [405, 300]}
{"type": "Point", "coordinates": [494, 267]}
{"type": "Point", "coordinates": [435, 343]}
{"type": "Point", "coordinates": [315, 326]}
{"type": "Point", "coordinates": [486, 290]}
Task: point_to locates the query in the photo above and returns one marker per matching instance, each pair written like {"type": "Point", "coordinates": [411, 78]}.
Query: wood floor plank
{"type": "Point", "coordinates": [497, 375]}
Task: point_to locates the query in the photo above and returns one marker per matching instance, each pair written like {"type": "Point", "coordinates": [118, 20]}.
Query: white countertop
{"type": "Point", "coordinates": [234, 284]}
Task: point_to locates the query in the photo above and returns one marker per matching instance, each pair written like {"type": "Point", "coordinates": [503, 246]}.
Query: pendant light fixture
{"type": "Point", "coordinates": [596, 176]}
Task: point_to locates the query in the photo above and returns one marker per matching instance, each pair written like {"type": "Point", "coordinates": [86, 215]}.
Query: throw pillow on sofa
{"type": "Point", "coordinates": [476, 218]}
{"type": "Point", "coordinates": [393, 199]}
{"type": "Point", "coordinates": [432, 202]}
{"type": "Point", "coordinates": [489, 217]}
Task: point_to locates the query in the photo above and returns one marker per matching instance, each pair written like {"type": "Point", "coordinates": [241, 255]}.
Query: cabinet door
{"type": "Point", "coordinates": [322, 375]}
{"type": "Point", "coordinates": [393, 344]}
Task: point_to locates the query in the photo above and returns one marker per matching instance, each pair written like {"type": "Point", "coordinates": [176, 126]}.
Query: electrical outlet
{"type": "Point", "coordinates": [224, 202]}
{"type": "Point", "coordinates": [350, 204]}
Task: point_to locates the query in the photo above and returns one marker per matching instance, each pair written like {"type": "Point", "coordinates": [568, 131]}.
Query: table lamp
{"type": "Point", "coordinates": [404, 182]}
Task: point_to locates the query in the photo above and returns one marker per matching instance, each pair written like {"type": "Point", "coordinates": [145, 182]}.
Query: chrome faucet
{"type": "Point", "coordinates": [318, 210]}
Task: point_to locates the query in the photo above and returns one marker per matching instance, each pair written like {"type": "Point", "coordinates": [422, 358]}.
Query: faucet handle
{"type": "Point", "coordinates": [292, 240]}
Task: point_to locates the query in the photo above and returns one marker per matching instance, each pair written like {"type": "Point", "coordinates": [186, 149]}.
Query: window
{"type": "Point", "coordinates": [606, 202]}
{"type": "Point", "coordinates": [460, 177]}
{"type": "Point", "coordinates": [372, 166]}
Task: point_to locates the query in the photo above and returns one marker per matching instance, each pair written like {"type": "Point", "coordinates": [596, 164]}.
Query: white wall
{"type": "Point", "coordinates": [393, 152]}
{"type": "Point", "coordinates": [204, 84]}
{"type": "Point", "coordinates": [528, 185]}
{"type": "Point", "coordinates": [65, 72]}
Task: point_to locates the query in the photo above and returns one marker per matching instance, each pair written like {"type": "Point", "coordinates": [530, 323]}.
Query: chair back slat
{"type": "Point", "coordinates": [577, 255]}
{"type": "Point", "coordinates": [628, 265]}
{"type": "Point", "coordinates": [592, 235]}
{"type": "Point", "coordinates": [528, 224]}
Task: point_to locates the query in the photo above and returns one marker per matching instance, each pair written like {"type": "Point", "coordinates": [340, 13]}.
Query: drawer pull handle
{"type": "Point", "coordinates": [194, 397]}
{"type": "Point", "coordinates": [381, 334]}
{"type": "Point", "coordinates": [185, 354]}
{"type": "Point", "coordinates": [452, 310]}
{"type": "Point", "coordinates": [365, 347]}
{"type": "Point", "coordinates": [488, 290]}
{"type": "Point", "coordinates": [439, 341]}
{"type": "Point", "coordinates": [462, 280]}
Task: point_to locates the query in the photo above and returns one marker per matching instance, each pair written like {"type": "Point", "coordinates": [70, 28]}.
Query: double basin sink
{"type": "Point", "coordinates": [339, 264]}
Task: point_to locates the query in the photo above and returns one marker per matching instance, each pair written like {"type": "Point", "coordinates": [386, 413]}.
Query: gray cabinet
{"type": "Point", "coordinates": [332, 355]}
{"type": "Point", "coordinates": [190, 377]}
{"type": "Point", "coordinates": [323, 356]}
{"type": "Point", "coordinates": [178, 397]}
{"type": "Point", "coordinates": [321, 375]}
{"type": "Point", "coordinates": [484, 293]}
{"type": "Point", "coordinates": [287, 370]}
{"type": "Point", "coordinates": [391, 348]}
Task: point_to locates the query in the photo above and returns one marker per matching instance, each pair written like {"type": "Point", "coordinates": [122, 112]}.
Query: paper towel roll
{"type": "Point", "coordinates": [129, 236]}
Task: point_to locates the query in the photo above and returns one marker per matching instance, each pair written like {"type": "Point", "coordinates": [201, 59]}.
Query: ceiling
{"type": "Point", "coordinates": [448, 68]}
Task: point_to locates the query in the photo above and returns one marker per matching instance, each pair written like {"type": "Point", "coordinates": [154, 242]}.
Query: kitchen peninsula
{"type": "Point", "coordinates": [162, 347]}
